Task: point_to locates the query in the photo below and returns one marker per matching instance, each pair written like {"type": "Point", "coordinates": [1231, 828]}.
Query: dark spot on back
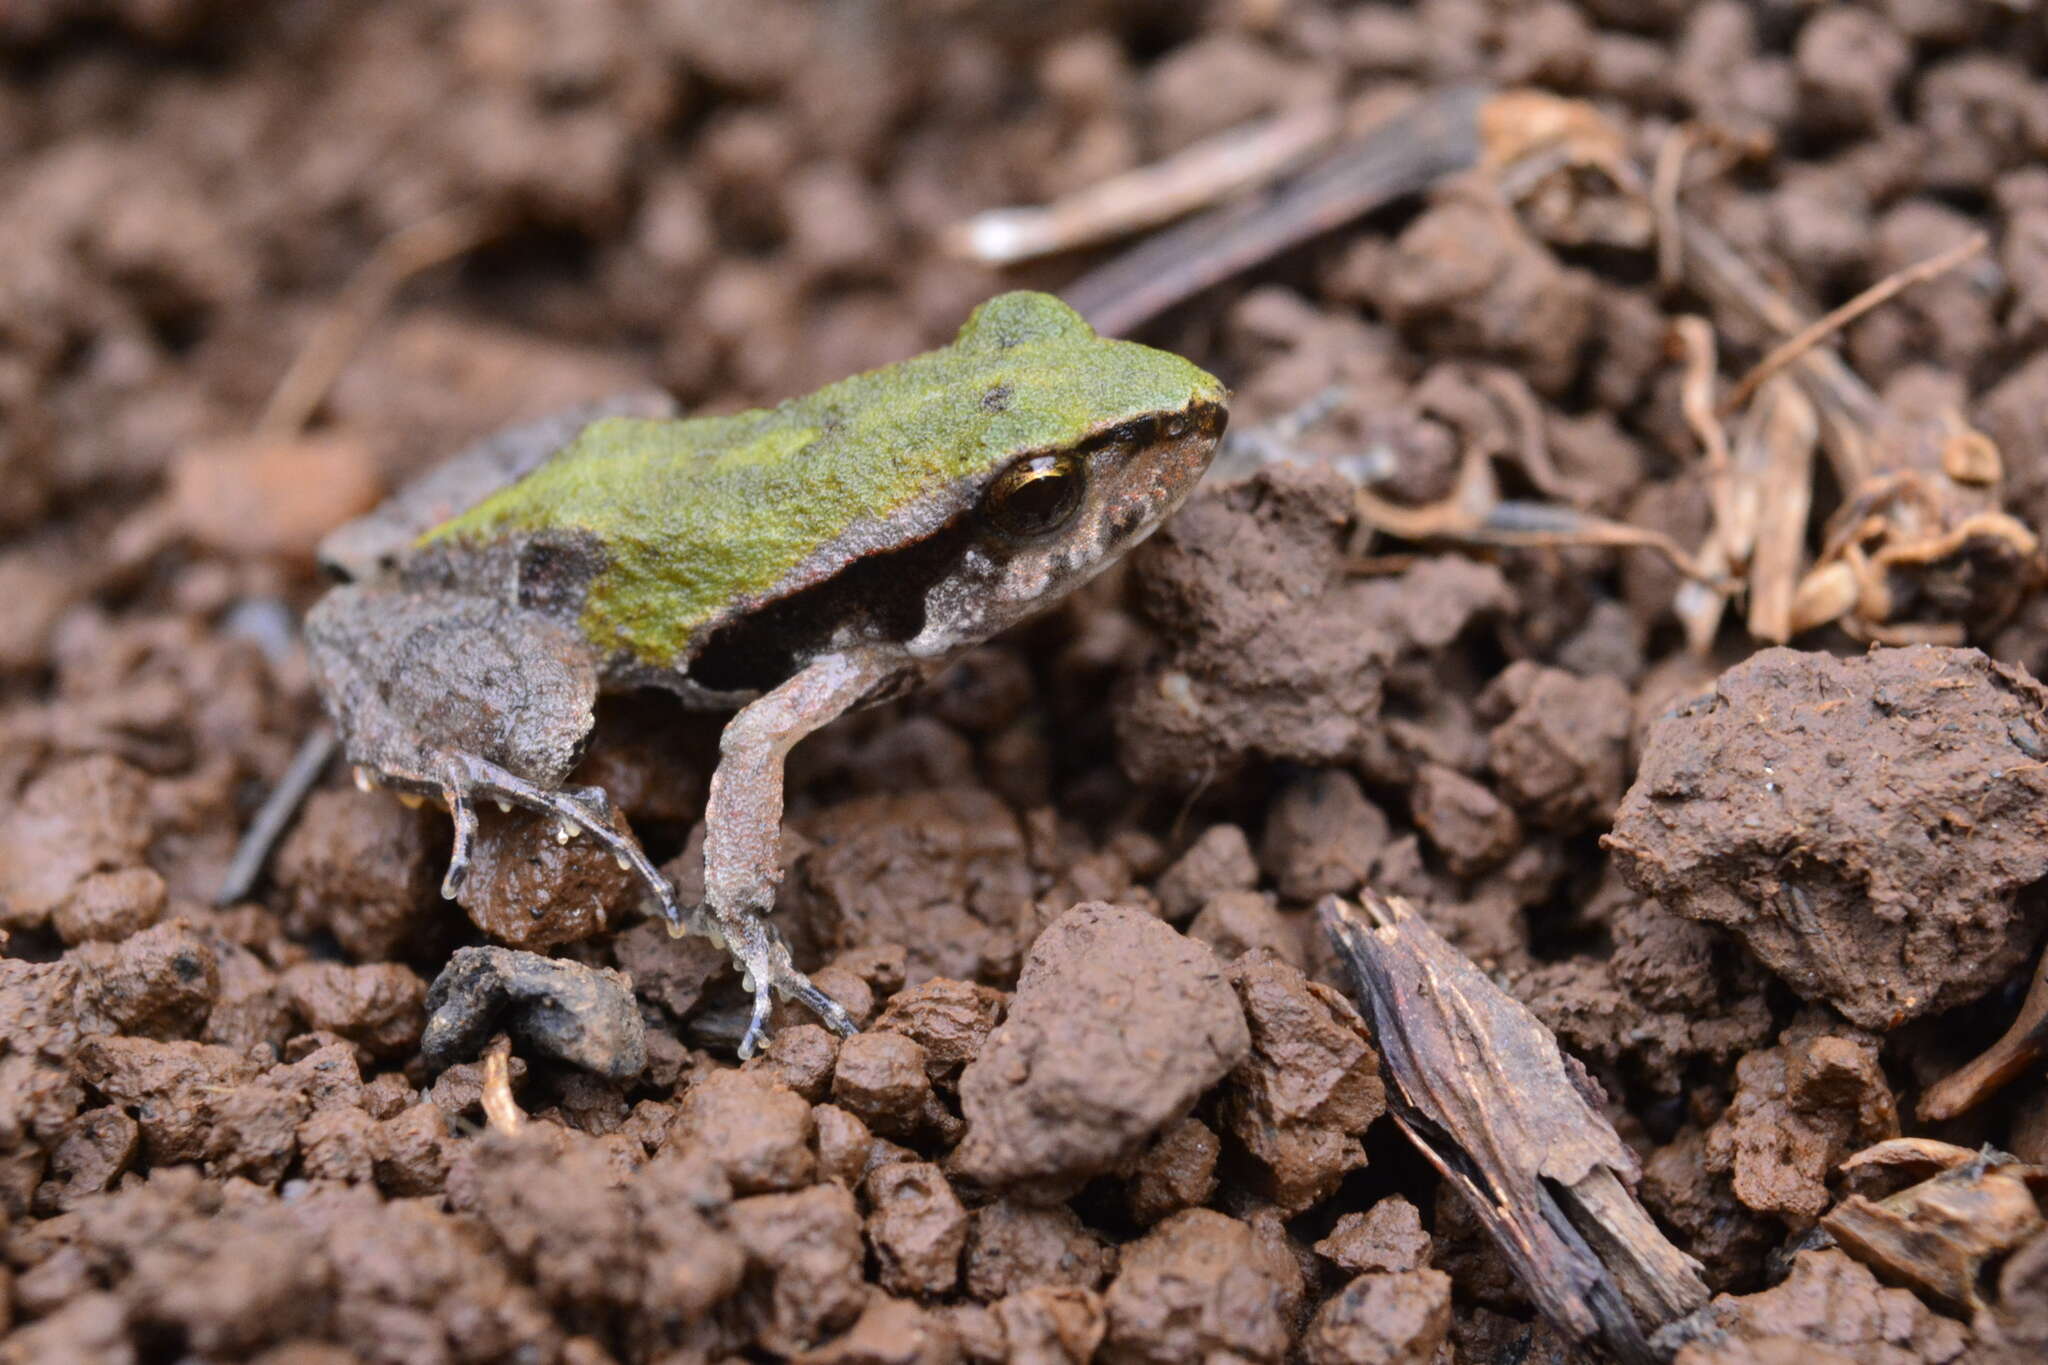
{"type": "Point", "coordinates": [554, 574]}
{"type": "Point", "coordinates": [996, 399]}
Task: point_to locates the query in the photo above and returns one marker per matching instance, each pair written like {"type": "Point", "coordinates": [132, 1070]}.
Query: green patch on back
{"type": "Point", "coordinates": [705, 514]}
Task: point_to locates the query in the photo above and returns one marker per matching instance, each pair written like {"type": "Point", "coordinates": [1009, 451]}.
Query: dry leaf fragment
{"type": "Point", "coordinates": [1935, 1237]}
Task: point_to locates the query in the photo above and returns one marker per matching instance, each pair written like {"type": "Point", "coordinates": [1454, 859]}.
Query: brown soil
{"type": "Point", "coordinates": [1108, 1104]}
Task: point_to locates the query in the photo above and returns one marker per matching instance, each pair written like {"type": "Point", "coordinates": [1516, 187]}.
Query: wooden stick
{"type": "Point", "coordinates": [1212, 169]}
{"type": "Point", "coordinates": [362, 301]}
{"type": "Point", "coordinates": [1439, 136]}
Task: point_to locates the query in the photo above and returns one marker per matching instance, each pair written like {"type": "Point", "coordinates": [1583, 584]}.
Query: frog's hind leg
{"type": "Point", "coordinates": [465, 698]}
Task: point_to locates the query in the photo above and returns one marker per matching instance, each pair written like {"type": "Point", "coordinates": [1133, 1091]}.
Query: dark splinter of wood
{"type": "Point", "coordinates": [1479, 1086]}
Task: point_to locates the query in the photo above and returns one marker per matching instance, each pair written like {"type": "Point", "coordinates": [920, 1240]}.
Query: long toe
{"type": "Point", "coordinates": [829, 1011]}
{"type": "Point", "coordinates": [757, 1026]}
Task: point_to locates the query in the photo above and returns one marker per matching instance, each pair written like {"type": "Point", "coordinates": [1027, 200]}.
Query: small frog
{"type": "Point", "coordinates": [792, 562]}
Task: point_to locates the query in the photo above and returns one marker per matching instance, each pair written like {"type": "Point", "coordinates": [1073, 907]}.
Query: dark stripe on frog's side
{"type": "Point", "coordinates": [877, 598]}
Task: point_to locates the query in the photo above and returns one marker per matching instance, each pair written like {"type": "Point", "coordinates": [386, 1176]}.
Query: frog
{"type": "Point", "coordinates": [787, 564]}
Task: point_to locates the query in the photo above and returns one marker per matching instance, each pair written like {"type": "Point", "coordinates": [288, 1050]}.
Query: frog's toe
{"type": "Point", "coordinates": [757, 1024]}
{"type": "Point", "coordinates": [463, 813]}
{"type": "Point", "coordinates": [829, 1011]}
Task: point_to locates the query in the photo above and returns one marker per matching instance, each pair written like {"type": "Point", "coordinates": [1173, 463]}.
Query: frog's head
{"type": "Point", "coordinates": [1093, 443]}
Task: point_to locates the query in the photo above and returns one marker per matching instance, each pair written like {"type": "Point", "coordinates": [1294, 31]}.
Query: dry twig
{"type": "Point", "coordinates": [2022, 1047]}
{"type": "Point", "coordinates": [1213, 169]}
{"type": "Point", "coordinates": [1402, 156]}
{"type": "Point", "coordinates": [1777, 441]}
{"type": "Point", "coordinates": [1832, 321]}
{"type": "Point", "coordinates": [362, 301]}
{"type": "Point", "coordinates": [500, 1108]}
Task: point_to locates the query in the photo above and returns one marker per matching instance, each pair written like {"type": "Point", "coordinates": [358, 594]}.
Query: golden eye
{"type": "Point", "coordinates": [1035, 496]}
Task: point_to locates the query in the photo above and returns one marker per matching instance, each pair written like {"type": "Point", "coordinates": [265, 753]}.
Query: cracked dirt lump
{"type": "Point", "coordinates": [1117, 1027]}
{"type": "Point", "coordinates": [1864, 825]}
{"type": "Point", "coordinates": [1309, 1086]}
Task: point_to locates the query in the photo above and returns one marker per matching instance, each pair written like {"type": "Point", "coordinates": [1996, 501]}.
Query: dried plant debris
{"type": "Point", "coordinates": [1939, 1237]}
{"type": "Point", "coordinates": [2016, 1053]}
{"type": "Point", "coordinates": [1920, 549]}
{"type": "Point", "coordinates": [1479, 1085]}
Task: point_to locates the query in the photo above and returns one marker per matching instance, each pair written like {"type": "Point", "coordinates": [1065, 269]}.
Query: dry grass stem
{"type": "Point", "coordinates": [362, 301]}
{"type": "Point", "coordinates": [1777, 440]}
{"type": "Point", "coordinates": [1211, 170]}
{"type": "Point", "coordinates": [1667, 177]}
{"type": "Point", "coordinates": [1832, 321]}
{"type": "Point", "coordinates": [500, 1108]}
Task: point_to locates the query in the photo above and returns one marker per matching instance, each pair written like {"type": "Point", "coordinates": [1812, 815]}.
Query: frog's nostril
{"type": "Point", "coordinates": [1125, 518]}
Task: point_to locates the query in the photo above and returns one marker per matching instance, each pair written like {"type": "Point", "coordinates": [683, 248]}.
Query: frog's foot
{"type": "Point", "coordinates": [761, 954]}
{"type": "Point", "coordinates": [579, 809]}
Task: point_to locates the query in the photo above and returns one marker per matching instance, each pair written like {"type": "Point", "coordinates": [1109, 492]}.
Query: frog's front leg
{"type": "Point", "coordinates": [743, 823]}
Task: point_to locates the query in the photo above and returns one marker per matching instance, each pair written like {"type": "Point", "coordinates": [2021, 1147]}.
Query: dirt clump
{"type": "Point", "coordinates": [1798, 1110]}
{"type": "Point", "coordinates": [1321, 836]}
{"type": "Point", "coordinates": [1196, 1284]}
{"type": "Point", "coordinates": [361, 867]}
{"type": "Point", "coordinates": [381, 1007]}
{"type": "Point", "coordinates": [1178, 1171]}
{"type": "Point", "coordinates": [1117, 1026]}
{"type": "Point", "coordinates": [1012, 1247]}
{"type": "Point", "coordinates": [1296, 1105]}
{"type": "Point", "coordinates": [1399, 1316]}
{"type": "Point", "coordinates": [917, 1227]}
{"type": "Point", "coordinates": [1865, 826]}
{"type": "Point", "coordinates": [803, 1278]}
{"type": "Point", "coordinates": [1275, 654]}
{"type": "Point", "coordinates": [1386, 1237]}
{"type": "Point", "coordinates": [949, 1020]}
{"type": "Point", "coordinates": [941, 872]}
{"type": "Point", "coordinates": [1827, 1306]}
{"type": "Point", "coordinates": [756, 1131]}
{"type": "Point", "coordinates": [584, 1016]}
{"type": "Point", "coordinates": [78, 819]}
{"type": "Point", "coordinates": [529, 888]}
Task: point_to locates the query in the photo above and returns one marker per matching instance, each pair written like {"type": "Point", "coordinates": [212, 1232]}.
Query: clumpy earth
{"type": "Point", "coordinates": [1110, 1102]}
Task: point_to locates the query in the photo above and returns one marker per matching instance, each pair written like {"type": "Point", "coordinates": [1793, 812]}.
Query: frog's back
{"type": "Point", "coordinates": [696, 520]}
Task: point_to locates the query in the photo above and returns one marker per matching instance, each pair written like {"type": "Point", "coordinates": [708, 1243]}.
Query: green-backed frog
{"type": "Point", "coordinates": [792, 562]}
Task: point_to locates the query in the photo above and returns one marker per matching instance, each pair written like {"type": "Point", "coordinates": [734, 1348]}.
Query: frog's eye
{"type": "Point", "coordinates": [1035, 496]}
